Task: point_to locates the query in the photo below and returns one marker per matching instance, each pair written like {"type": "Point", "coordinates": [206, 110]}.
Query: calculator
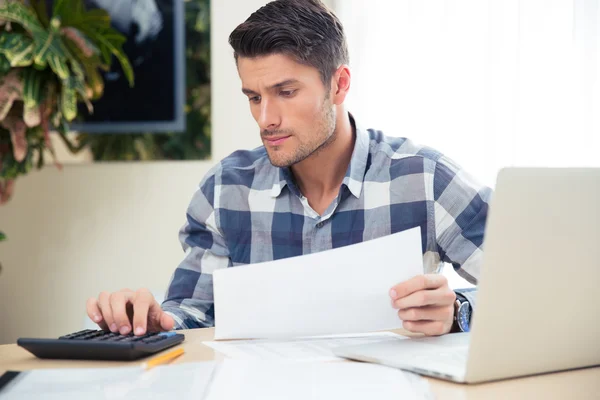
{"type": "Point", "coordinates": [92, 344]}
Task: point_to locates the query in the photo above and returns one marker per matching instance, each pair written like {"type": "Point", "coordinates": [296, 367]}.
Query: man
{"type": "Point", "coordinates": [319, 182]}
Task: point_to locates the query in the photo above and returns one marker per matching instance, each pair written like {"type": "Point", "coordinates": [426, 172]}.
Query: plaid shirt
{"type": "Point", "coordinates": [248, 211]}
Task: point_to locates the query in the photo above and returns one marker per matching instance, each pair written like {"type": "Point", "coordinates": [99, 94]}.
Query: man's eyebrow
{"type": "Point", "coordinates": [249, 92]}
{"type": "Point", "coordinates": [284, 83]}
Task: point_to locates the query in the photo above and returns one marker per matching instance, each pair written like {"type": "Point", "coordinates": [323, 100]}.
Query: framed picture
{"type": "Point", "coordinates": [155, 31]}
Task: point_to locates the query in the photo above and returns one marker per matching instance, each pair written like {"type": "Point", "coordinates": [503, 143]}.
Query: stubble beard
{"type": "Point", "coordinates": [327, 135]}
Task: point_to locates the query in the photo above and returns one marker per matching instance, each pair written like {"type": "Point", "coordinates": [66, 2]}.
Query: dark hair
{"type": "Point", "coordinates": [305, 30]}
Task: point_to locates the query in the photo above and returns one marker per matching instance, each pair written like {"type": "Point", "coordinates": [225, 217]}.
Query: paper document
{"type": "Point", "coordinates": [181, 382]}
{"type": "Point", "coordinates": [344, 290]}
{"type": "Point", "coordinates": [229, 380]}
{"type": "Point", "coordinates": [261, 380]}
{"type": "Point", "coordinates": [302, 349]}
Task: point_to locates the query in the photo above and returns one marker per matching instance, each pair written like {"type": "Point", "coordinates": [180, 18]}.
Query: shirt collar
{"type": "Point", "coordinates": [283, 179]}
{"type": "Point", "coordinates": [355, 173]}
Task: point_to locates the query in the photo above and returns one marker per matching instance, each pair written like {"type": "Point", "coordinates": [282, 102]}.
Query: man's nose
{"type": "Point", "coordinates": [269, 117]}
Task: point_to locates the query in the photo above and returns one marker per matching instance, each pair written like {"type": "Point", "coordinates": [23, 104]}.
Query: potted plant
{"type": "Point", "coordinates": [50, 60]}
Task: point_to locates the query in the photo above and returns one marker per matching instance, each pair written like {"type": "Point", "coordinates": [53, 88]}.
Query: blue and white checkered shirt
{"type": "Point", "coordinates": [248, 211]}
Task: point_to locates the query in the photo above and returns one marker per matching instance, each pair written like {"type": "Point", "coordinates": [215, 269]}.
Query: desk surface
{"type": "Point", "coordinates": [579, 384]}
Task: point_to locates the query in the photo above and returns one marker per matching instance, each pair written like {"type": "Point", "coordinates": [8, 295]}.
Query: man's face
{"type": "Point", "coordinates": [291, 106]}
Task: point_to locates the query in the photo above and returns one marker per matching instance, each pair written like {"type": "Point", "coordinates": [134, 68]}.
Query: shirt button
{"type": "Point", "coordinates": [320, 224]}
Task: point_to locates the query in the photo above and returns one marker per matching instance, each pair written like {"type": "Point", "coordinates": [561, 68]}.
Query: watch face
{"type": "Point", "coordinates": [464, 316]}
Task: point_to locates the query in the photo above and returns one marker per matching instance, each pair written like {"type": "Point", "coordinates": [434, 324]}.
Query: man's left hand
{"type": "Point", "coordinates": [425, 304]}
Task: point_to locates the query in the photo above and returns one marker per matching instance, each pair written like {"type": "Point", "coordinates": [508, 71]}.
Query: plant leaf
{"type": "Point", "coordinates": [7, 187]}
{"type": "Point", "coordinates": [2, 236]}
{"type": "Point", "coordinates": [62, 129]}
{"type": "Point", "coordinates": [44, 46]}
{"type": "Point", "coordinates": [95, 24]}
{"type": "Point", "coordinates": [4, 65]}
{"type": "Point", "coordinates": [90, 67]}
{"type": "Point", "coordinates": [95, 19]}
{"type": "Point", "coordinates": [11, 88]}
{"type": "Point", "coordinates": [68, 99]}
{"type": "Point", "coordinates": [16, 11]}
{"type": "Point", "coordinates": [17, 48]}
{"type": "Point", "coordinates": [117, 51]}
{"type": "Point", "coordinates": [61, 9]}
{"type": "Point", "coordinates": [59, 66]}
{"type": "Point", "coordinates": [79, 86]}
{"type": "Point", "coordinates": [88, 49]}
{"type": "Point", "coordinates": [39, 6]}
{"type": "Point", "coordinates": [32, 96]}
{"type": "Point", "coordinates": [17, 130]}
{"type": "Point", "coordinates": [40, 162]}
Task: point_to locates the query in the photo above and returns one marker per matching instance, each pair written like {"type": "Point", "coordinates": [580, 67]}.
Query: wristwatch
{"type": "Point", "coordinates": [462, 314]}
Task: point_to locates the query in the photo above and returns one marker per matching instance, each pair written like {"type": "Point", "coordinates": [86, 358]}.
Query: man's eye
{"type": "Point", "coordinates": [287, 93]}
{"type": "Point", "coordinates": [255, 99]}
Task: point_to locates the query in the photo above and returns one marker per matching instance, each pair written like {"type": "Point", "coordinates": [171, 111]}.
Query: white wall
{"type": "Point", "coordinates": [89, 228]}
{"type": "Point", "coordinates": [233, 126]}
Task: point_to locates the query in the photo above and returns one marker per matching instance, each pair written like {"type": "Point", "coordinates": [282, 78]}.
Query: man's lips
{"type": "Point", "coordinates": [275, 140]}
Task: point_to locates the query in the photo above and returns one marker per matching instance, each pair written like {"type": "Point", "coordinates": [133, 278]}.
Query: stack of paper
{"type": "Point", "coordinates": [303, 349]}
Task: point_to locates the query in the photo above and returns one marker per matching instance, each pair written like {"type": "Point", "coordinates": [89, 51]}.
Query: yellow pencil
{"type": "Point", "coordinates": [163, 359]}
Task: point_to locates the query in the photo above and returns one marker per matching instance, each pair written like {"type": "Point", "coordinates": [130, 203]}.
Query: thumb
{"type": "Point", "coordinates": [158, 320]}
{"type": "Point", "coordinates": [166, 322]}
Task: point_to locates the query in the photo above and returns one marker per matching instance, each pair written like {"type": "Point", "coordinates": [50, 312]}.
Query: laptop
{"type": "Point", "coordinates": [538, 304]}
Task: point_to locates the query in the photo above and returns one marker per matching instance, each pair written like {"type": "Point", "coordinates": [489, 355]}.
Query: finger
{"type": "Point", "coordinates": [103, 326]}
{"type": "Point", "coordinates": [94, 313]}
{"type": "Point", "coordinates": [429, 328]}
{"type": "Point", "coordinates": [104, 306]}
{"type": "Point", "coordinates": [141, 306]}
{"type": "Point", "coordinates": [118, 305]}
{"type": "Point", "coordinates": [444, 313]}
{"type": "Point", "coordinates": [159, 320]}
{"type": "Point", "coordinates": [420, 282]}
{"type": "Point", "coordinates": [436, 297]}
{"type": "Point", "coordinates": [167, 322]}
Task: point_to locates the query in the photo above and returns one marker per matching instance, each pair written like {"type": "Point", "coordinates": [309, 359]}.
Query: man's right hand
{"type": "Point", "coordinates": [125, 310]}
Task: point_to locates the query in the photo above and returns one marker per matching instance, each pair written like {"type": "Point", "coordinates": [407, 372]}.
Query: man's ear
{"type": "Point", "coordinates": [340, 84]}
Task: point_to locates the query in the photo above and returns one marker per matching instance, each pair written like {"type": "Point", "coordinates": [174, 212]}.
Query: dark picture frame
{"type": "Point", "coordinates": [155, 46]}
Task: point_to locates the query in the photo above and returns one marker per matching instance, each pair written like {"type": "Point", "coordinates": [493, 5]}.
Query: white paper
{"type": "Point", "coordinates": [343, 290]}
{"type": "Point", "coordinates": [229, 380]}
{"type": "Point", "coordinates": [181, 382]}
{"type": "Point", "coordinates": [261, 380]}
{"type": "Point", "coordinates": [304, 349]}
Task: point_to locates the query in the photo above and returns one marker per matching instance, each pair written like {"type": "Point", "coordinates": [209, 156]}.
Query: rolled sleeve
{"type": "Point", "coordinates": [461, 209]}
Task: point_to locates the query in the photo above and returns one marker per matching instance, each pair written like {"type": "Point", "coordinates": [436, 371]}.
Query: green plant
{"type": "Point", "coordinates": [49, 61]}
{"type": "Point", "coordinates": [194, 142]}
